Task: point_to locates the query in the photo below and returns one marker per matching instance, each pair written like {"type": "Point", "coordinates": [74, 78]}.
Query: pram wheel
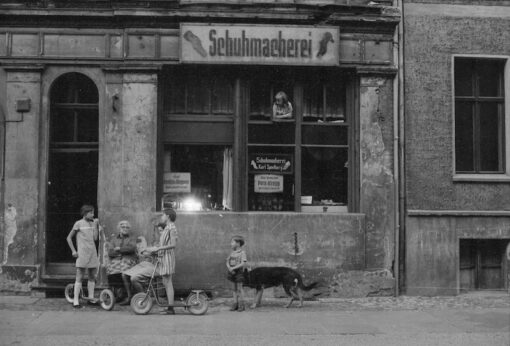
{"type": "Point", "coordinates": [69, 293]}
{"type": "Point", "coordinates": [197, 303]}
{"type": "Point", "coordinates": [107, 299]}
{"type": "Point", "coordinates": [141, 303]}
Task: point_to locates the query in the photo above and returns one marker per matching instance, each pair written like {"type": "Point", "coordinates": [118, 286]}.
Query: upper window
{"type": "Point", "coordinates": [479, 116]}
{"type": "Point", "coordinates": [199, 92]}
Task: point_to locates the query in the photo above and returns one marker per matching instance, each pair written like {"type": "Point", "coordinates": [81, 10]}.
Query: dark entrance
{"type": "Point", "coordinates": [483, 265]}
{"type": "Point", "coordinates": [73, 162]}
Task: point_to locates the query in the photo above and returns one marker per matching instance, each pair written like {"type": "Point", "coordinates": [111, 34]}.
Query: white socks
{"type": "Point", "coordinates": [77, 292]}
{"type": "Point", "coordinates": [90, 288]}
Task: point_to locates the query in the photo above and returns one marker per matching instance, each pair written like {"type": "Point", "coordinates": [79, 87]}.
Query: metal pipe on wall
{"type": "Point", "coordinates": [398, 172]}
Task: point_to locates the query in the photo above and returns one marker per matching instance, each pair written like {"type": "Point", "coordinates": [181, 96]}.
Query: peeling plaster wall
{"type": "Point", "coordinates": [127, 177]}
{"type": "Point", "coordinates": [377, 185]}
{"type": "Point", "coordinates": [21, 171]}
{"type": "Point", "coordinates": [319, 246]}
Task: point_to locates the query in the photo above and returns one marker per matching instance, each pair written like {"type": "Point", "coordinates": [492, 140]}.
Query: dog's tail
{"type": "Point", "coordinates": [299, 283]}
{"type": "Point", "coordinates": [309, 287]}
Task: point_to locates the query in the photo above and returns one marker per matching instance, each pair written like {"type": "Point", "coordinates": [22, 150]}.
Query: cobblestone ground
{"type": "Point", "coordinates": [475, 301]}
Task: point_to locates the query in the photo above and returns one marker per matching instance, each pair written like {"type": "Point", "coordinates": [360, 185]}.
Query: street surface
{"type": "Point", "coordinates": [464, 320]}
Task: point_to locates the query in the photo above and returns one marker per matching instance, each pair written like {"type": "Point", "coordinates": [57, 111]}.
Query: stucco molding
{"type": "Point", "coordinates": [468, 213]}
{"type": "Point", "coordinates": [23, 67]}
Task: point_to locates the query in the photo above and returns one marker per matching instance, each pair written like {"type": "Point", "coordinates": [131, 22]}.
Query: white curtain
{"type": "Point", "coordinates": [227, 178]}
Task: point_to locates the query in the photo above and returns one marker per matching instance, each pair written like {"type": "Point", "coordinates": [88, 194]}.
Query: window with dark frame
{"type": "Point", "coordinates": [199, 92]}
{"type": "Point", "coordinates": [295, 164]}
{"type": "Point", "coordinates": [479, 115]}
{"type": "Point", "coordinates": [317, 139]}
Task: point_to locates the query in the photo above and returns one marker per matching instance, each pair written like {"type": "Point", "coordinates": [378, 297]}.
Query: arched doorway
{"type": "Point", "coordinates": [73, 162]}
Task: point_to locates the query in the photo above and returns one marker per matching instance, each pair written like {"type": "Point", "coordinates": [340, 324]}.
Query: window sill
{"type": "Point", "coordinates": [484, 178]}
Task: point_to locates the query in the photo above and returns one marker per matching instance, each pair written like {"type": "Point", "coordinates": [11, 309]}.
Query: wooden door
{"type": "Point", "coordinates": [73, 163]}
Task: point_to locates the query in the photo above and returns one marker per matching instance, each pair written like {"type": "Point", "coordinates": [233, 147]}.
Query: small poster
{"type": "Point", "coordinates": [268, 183]}
{"type": "Point", "coordinates": [174, 182]}
{"type": "Point", "coordinates": [271, 163]}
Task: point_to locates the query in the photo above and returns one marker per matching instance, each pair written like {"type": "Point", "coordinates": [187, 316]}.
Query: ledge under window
{"type": "Point", "coordinates": [484, 178]}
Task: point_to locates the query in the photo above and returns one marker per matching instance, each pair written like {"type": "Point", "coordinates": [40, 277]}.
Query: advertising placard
{"type": "Point", "coordinates": [270, 163]}
{"type": "Point", "coordinates": [175, 182]}
{"type": "Point", "coordinates": [268, 183]}
{"type": "Point", "coordinates": [259, 44]}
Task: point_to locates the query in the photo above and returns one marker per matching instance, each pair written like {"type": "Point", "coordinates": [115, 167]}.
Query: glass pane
{"type": "Point", "coordinates": [463, 77]}
{"type": "Point", "coordinates": [268, 188]}
{"type": "Point", "coordinates": [330, 135]}
{"type": "Point", "coordinates": [491, 143]}
{"type": "Point", "coordinates": [177, 97]}
{"type": "Point", "coordinates": [197, 177]}
{"type": "Point", "coordinates": [313, 101]}
{"type": "Point", "coordinates": [490, 73]}
{"type": "Point", "coordinates": [260, 100]}
{"type": "Point", "coordinates": [88, 126]}
{"type": "Point", "coordinates": [198, 95]}
{"type": "Point", "coordinates": [263, 90]}
{"type": "Point", "coordinates": [74, 88]}
{"type": "Point", "coordinates": [222, 97]}
{"type": "Point", "coordinates": [275, 133]}
{"type": "Point", "coordinates": [464, 155]}
{"type": "Point", "coordinates": [335, 102]}
{"type": "Point", "coordinates": [62, 125]}
{"type": "Point", "coordinates": [324, 176]}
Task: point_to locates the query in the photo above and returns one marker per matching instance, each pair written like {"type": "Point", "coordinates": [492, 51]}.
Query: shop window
{"type": "Point", "coordinates": [263, 91]}
{"type": "Point", "coordinates": [299, 163]}
{"type": "Point", "coordinates": [198, 92]}
{"type": "Point", "coordinates": [324, 102]}
{"type": "Point", "coordinates": [479, 115]}
{"type": "Point", "coordinates": [198, 177]}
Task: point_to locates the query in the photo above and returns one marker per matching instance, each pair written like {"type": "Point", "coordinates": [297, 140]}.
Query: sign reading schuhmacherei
{"type": "Point", "coordinates": [259, 44]}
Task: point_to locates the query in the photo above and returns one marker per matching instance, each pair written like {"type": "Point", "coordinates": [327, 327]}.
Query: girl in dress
{"type": "Point", "coordinates": [87, 232]}
{"type": "Point", "coordinates": [167, 243]}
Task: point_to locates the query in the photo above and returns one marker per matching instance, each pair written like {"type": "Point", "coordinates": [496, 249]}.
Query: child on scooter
{"type": "Point", "coordinates": [167, 243]}
{"type": "Point", "coordinates": [87, 232]}
{"type": "Point", "coordinates": [236, 264]}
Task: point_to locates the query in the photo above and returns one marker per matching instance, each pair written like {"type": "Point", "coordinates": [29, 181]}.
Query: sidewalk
{"type": "Point", "coordinates": [477, 300]}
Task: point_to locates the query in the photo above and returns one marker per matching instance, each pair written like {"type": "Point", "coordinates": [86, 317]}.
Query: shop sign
{"type": "Point", "coordinates": [268, 183]}
{"type": "Point", "coordinates": [271, 163]}
{"type": "Point", "coordinates": [174, 182]}
{"type": "Point", "coordinates": [259, 44]}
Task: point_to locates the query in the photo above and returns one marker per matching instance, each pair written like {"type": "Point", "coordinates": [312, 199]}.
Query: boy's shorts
{"type": "Point", "coordinates": [237, 276]}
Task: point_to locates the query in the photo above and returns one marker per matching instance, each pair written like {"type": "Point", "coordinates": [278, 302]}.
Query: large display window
{"type": "Point", "coordinates": [284, 145]}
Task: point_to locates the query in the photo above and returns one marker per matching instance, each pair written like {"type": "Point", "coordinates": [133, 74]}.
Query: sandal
{"type": "Point", "coordinates": [167, 311]}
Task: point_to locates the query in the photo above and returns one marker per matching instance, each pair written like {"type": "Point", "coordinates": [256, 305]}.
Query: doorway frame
{"type": "Point", "coordinates": [49, 76]}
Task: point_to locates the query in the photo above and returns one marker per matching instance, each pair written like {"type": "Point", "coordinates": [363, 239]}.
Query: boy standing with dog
{"type": "Point", "coordinates": [236, 264]}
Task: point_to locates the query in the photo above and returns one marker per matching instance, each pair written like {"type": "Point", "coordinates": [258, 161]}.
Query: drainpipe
{"type": "Point", "coordinates": [3, 120]}
{"type": "Point", "coordinates": [398, 133]}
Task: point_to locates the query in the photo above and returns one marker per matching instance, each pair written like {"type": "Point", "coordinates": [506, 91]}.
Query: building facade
{"type": "Point", "coordinates": [132, 106]}
{"type": "Point", "coordinates": [457, 132]}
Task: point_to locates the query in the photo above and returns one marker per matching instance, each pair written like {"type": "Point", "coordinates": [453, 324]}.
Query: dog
{"type": "Point", "coordinates": [265, 277]}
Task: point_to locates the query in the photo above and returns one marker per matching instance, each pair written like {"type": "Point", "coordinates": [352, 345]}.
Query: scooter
{"type": "Point", "coordinates": [197, 302]}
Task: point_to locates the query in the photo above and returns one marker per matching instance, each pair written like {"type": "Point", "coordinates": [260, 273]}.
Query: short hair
{"type": "Point", "coordinates": [121, 222]}
{"type": "Point", "coordinates": [85, 209]}
{"type": "Point", "coordinates": [283, 96]}
{"type": "Point", "coordinates": [238, 239]}
{"type": "Point", "coordinates": [171, 214]}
